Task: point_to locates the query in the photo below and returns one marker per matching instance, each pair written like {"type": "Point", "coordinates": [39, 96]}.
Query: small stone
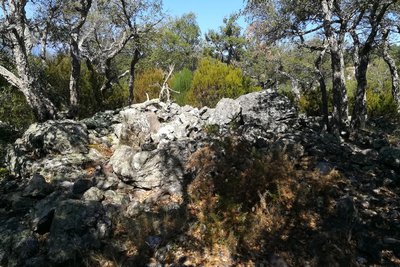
{"type": "Point", "coordinates": [37, 187]}
{"type": "Point", "coordinates": [93, 194]}
{"type": "Point", "coordinates": [361, 260]}
{"type": "Point", "coordinates": [391, 241]}
{"type": "Point", "coordinates": [365, 204]}
{"type": "Point", "coordinates": [370, 213]}
{"type": "Point", "coordinates": [81, 186]}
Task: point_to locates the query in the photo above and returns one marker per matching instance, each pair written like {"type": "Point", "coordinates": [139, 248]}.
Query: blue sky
{"type": "Point", "coordinates": [210, 13]}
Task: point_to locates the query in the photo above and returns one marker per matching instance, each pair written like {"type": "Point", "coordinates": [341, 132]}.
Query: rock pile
{"type": "Point", "coordinates": [72, 179]}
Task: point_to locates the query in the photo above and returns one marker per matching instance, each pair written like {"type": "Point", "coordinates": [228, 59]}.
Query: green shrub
{"type": "Point", "coordinates": [381, 103]}
{"type": "Point", "coordinates": [182, 82]}
{"type": "Point", "coordinates": [14, 109]}
{"type": "Point", "coordinates": [214, 80]}
{"type": "Point", "coordinates": [310, 103]}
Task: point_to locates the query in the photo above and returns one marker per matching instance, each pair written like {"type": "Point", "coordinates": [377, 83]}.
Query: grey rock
{"type": "Point", "coordinates": [289, 146]}
{"type": "Point", "coordinates": [324, 167]}
{"type": "Point", "coordinates": [30, 153]}
{"type": "Point", "coordinates": [59, 168]}
{"type": "Point", "coordinates": [42, 214]}
{"type": "Point", "coordinates": [105, 183]}
{"type": "Point", "coordinates": [7, 136]}
{"type": "Point", "coordinates": [226, 111]}
{"type": "Point", "coordinates": [62, 137]}
{"type": "Point", "coordinates": [81, 185]}
{"type": "Point", "coordinates": [268, 109]}
{"type": "Point", "coordinates": [93, 194]}
{"type": "Point", "coordinates": [391, 241]}
{"type": "Point", "coordinates": [37, 187]}
{"type": "Point", "coordinates": [26, 245]}
{"type": "Point", "coordinates": [115, 198]}
{"type": "Point", "coordinates": [102, 120]}
{"type": "Point", "coordinates": [162, 167]}
{"type": "Point", "coordinates": [121, 161]}
{"type": "Point", "coordinates": [140, 158]}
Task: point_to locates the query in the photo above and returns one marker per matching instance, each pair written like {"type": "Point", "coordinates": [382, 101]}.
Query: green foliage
{"type": "Point", "coordinates": [228, 44]}
{"type": "Point", "coordinates": [177, 43]}
{"type": "Point", "coordinates": [381, 104]}
{"type": "Point", "coordinates": [58, 74]}
{"type": "Point", "coordinates": [211, 129]}
{"type": "Point", "coordinates": [14, 109]}
{"type": "Point", "coordinates": [182, 82]}
{"type": "Point", "coordinates": [148, 82]}
{"type": "Point", "coordinates": [310, 103]}
{"type": "Point", "coordinates": [3, 172]}
{"type": "Point", "coordinates": [379, 99]}
{"type": "Point", "coordinates": [214, 80]}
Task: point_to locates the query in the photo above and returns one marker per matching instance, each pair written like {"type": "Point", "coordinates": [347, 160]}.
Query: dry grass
{"type": "Point", "coordinates": [250, 205]}
{"type": "Point", "coordinates": [103, 149]}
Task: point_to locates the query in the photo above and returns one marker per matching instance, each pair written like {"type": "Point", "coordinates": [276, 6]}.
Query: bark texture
{"type": "Point", "coordinates": [340, 102]}
{"type": "Point", "coordinates": [134, 61]}
{"type": "Point", "coordinates": [20, 40]}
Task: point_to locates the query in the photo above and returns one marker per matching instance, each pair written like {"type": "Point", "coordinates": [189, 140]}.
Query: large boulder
{"type": "Point", "coordinates": [149, 169]}
{"type": "Point", "coordinates": [226, 111]}
{"type": "Point", "coordinates": [259, 116]}
{"type": "Point", "coordinates": [52, 138]}
{"type": "Point", "coordinates": [55, 137]}
{"type": "Point", "coordinates": [269, 110]}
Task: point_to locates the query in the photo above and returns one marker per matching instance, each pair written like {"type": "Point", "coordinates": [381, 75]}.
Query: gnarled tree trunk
{"type": "Point", "coordinates": [340, 102]}
{"type": "Point", "coordinates": [134, 61]}
{"type": "Point", "coordinates": [322, 87]}
{"type": "Point", "coordinates": [361, 58]}
{"type": "Point", "coordinates": [393, 69]}
{"type": "Point", "coordinates": [74, 81]}
{"type": "Point", "coordinates": [21, 43]}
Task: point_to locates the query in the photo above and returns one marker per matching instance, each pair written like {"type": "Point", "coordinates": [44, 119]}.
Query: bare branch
{"type": "Point", "coordinates": [10, 77]}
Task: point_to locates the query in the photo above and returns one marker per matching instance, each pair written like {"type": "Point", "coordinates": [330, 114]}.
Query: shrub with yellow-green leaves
{"type": "Point", "coordinates": [214, 80]}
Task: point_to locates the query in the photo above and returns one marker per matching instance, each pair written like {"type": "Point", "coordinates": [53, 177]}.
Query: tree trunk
{"type": "Point", "coordinates": [340, 102]}
{"type": "Point", "coordinates": [134, 61]}
{"type": "Point", "coordinates": [26, 82]}
{"type": "Point", "coordinates": [30, 87]}
{"type": "Point", "coordinates": [393, 70]}
{"type": "Point", "coordinates": [322, 87]}
{"type": "Point", "coordinates": [361, 60]}
{"type": "Point", "coordinates": [74, 89]}
{"type": "Point", "coordinates": [359, 114]}
{"type": "Point", "coordinates": [109, 76]}
{"type": "Point", "coordinates": [97, 94]}
{"type": "Point", "coordinates": [340, 105]}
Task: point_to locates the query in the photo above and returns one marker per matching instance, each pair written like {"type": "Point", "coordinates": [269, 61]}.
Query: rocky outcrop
{"type": "Point", "coordinates": [75, 183]}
